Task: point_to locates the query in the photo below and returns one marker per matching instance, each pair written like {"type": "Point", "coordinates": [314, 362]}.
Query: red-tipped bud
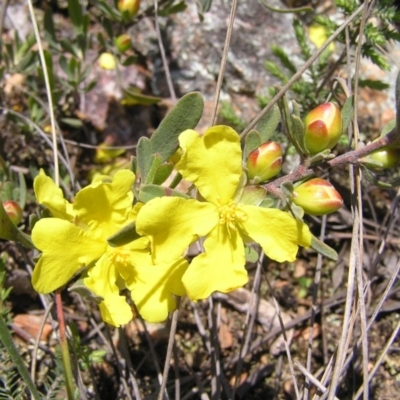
{"type": "Point", "coordinates": [323, 128]}
{"type": "Point", "coordinates": [386, 157]}
{"type": "Point", "coordinates": [317, 197]}
{"type": "Point", "coordinates": [129, 7]}
{"type": "Point", "coordinates": [13, 210]}
{"type": "Point", "coordinates": [123, 42]}
{"type": "Point", "coordinates": [265, 162]}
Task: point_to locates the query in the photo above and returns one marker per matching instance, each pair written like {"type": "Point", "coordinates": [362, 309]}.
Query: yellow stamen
{"type": "Point", "coordinates": [229, 214]}
{"type": "Point", "coordinates": [118, 255]}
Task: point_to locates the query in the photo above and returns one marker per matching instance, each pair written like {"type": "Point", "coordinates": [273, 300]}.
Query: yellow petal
{"type": "Point", "coordinates": [173, 223]}
{"type": "Point", "coordinates": [154, 287]}
{"type": "Point", "coordinates": [65, 250]}
{"type": "Point", "coordinates": [51, 196]}
{"type": "Point", "coordinates": [220, 268]}
{"type": "Point", "coordinates": [212, 162]}
{"type": "Point", "coordinates": [278, 233]}
{"type": "Point", "coordinates": [105, 203]}
{"type": "Point", "coordinates": [102, 278]}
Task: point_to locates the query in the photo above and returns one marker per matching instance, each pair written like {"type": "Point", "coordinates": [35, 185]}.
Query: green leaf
{"type": "Point", "coordinates": [298, 132]}
{"type": "Point", "coordinates": [268, 123]}
{"type": "Point", "coordinates": [388, 128]}
{"type": "Point", "coordinates": [374, 84]}
{"type": "Point", "coordinates": [283, 58]}
{"type": "Point", "coordinates": [149, 192]}
{"type": "Point", "coordinates": [144, 155]}
{"type": "Point", "coordinates": [162, 173]}
{"type": "Point", "coordinates": [131, 60]}
{"type": "Point", "coordinates": [253, 141]}
{"type": "Point", "coordinates": [75, 14]}
{"type": "Point", "coordinates": [253, 195]}
{"type": "Point", "coordinates": [323, 249]}
{"type": "Point", "coordinates": [251, 255]}
{"type": "Point", "coordinates": [155, 163]}
{"type": "Point", "coordinates": [125, 235]}
{"type": "Point", "coordinates": [74, 122]}
{"type": "Point", "coordinates": [185, 115]}
{"type": "Point", "coordinates": [172, 10]}
{"type": "Point", "coordinates": [347, 113]}
{"type": "Point", "coordinates": [133, 97]}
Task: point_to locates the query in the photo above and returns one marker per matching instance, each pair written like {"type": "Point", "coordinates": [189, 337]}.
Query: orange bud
{"type": "Point", "coordinates": [129, 7]}
{"type": "Point", "coordinates": [265, 162]}
{"type": "Point", "coordinates": [384, 158]}
{"type": "Point", "coordinates": [317, 197]}
{"type": "Point", "coordinates": [123, 42]}
{"type": "Point", "coordinates": [13, 210]}
{"type": "Point", "coordinates": [323, 128]}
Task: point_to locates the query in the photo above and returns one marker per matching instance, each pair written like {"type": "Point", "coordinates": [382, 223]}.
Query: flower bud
{"type": "Point", "coordinates": [384, 158]}
{"type": "Point", "coordinates": [123, 42]}
{"type": "Point", "coordinates": [13, 210]}
{"type": "Point", "coordinates": [323, 128]}
{"type": "Point", "coordinates": [129, 7]}
{"type": "Point", "coordinates": [107, 61]}
{"type": "Point", "coordinates": [265, 162]}
{"type": "Point", "coordinates": [317, 197]}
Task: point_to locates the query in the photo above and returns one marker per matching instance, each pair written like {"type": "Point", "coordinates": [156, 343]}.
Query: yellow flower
{"type": "Point", "coordinates": [213, 163]}
{"type": "Point", "coordinates": [76, 239]}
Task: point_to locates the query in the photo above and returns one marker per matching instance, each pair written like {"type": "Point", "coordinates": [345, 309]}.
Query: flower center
{"type": "Point", "coordinates": [118, 255]}
{"type": "Point", "coordinates": [229, 214]}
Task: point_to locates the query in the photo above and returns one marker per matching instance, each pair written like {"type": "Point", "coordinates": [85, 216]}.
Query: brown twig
{"type": "Point", "coordinates": [351, 157]}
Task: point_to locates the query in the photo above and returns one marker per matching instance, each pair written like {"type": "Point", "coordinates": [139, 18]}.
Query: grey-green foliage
{"type": "Point", "coordinates": [153, 153]}
{"type": "Point", "coordinates": [309, 90]}
{"type": "Point", "coordinates": [385, 15]}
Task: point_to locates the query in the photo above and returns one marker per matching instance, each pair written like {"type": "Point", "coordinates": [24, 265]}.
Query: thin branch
{"type": "Point", "coordinates": [172, 331]}
{"type": "Point", "coordinates": [163, 56]}
{"type": "Point", "coordinates": [48, 92]}
{"type": "Point", "coordinates": [223, 61]}
{"type": "Point", "coordinates": [301, 71]}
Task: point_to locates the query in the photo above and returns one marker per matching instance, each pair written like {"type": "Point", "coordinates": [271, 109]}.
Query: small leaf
{"type": "Point", "coordinates": [253, 195]}
{"type": "Point", "coordinates": [298, 132]}
{"type": "Point", "coordinates": [149, 192]}
{"type": "Point", "coordinates": [287, 189]}
{"type": "Point", "coordinates": [185, 115]}
{"type": "Point", "coordinates": [253, 141]}
{"type": "Point", "coordinates": [144, 154]}
{"type": "Point", "coordinates": [297, 211]}
{"type": "Point", "coordinates": [133, 97]}
{"type": "Point", "coordinates": [250, 254]}
{"type": "Point", "coordinates": [388, 128]}
{"type": "Point", "coordinates": [155, 163]}
{"type": "Point", "coordinates": [125, 235]}
{"type": "Point", "coordinates": [74, 122]}
{"type": "Point", "coordinates": [269, 202]}
{"type": "Point", "coordinates": [268, 123]}
{"type": "Point", "coordinates": [347, 113]}
{"type": "Point", "coordinates": [162, 173]}
{"type": "Point", "coordinates": [75, 14]}
{"type": "Point", "coordinates": [323, 249]}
